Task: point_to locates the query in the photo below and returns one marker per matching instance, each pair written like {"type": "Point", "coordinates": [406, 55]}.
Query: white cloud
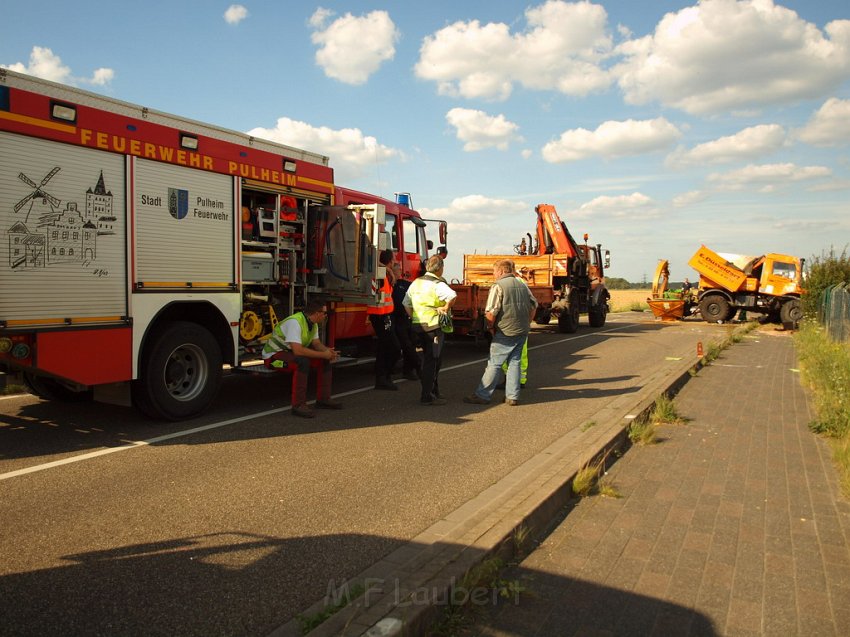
{"type": "Point", "coordinates": [635, 206]}
{"type": "Point", "coordinates": [746, 144]}
{"type": "Point", "coordinates": [478, 130]}
{"type": "Point", "coordinates": [829, 126]}
{"type": "Point", "coordinates": [832, 185]}
{"type": "Point", "coordinates": [102, 76]}
{"type": "Point", "coordinates": [352, 151]}
{"type": "Point", "coordinates": [44, 63]}
{"type": "Point", "coordinates": [727, 54]}
{"type": "Point", "coordinates": [561, 49]}
{"type": "Point", "coordinates": [767, 177]}
{"type": "Point", "coordinates": [471, 213]}
{"type": "Point", "coordinates": [353, 48]}
{"type": "Point", "coordinates": [689, 198]}
{"type": "Point", "coordinates": [235, 14]}
{"type": "Point", "coordinates": [612, 139]}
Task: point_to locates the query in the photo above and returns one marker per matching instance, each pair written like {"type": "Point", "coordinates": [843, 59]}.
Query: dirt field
{"type": "Point", "coordinates": [624, 300]}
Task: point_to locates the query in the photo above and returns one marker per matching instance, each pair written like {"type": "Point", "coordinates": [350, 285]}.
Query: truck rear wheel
{"type": "Point", "coordinates": [568, 318]}
{"type": "Point", "coordinates": [542, 316]}
{"type": "Point", "coordinates": [714, 308]}
{"type": "Point", "coordinates": [596, 314]}
{"type": "Point", "coordinates": [180, 372]}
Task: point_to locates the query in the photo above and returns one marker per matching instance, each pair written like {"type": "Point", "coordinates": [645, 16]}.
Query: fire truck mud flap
{"type": "Point", "coordinates": [180, 372]}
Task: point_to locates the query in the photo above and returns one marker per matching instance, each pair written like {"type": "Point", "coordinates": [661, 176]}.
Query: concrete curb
{"type": "Point", "coordinates": [407, 592]}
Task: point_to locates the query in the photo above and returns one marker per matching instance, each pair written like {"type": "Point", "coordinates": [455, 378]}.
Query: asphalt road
{"type": "Point", "coordinates": [237, 521]}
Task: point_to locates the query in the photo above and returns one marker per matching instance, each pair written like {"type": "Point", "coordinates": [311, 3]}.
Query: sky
{"type": "Point", "coordinates": [653, 127]}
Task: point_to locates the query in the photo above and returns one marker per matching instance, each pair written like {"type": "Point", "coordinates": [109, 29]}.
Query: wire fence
{"type": "Point", "coordinates": [834, 312]}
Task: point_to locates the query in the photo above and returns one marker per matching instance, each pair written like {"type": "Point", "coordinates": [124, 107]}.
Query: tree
{"type": "Point", "coordinates": [616, 283]}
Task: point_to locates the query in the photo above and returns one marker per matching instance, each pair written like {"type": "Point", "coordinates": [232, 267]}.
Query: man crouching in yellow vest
{"type": "Point", "coordinates": [295, 346]}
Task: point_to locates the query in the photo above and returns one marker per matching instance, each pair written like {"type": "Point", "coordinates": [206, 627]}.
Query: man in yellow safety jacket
{"type": "Point", "coordinates": [294, 346]}
{"type": "Point", "coordinates": [427, 298]}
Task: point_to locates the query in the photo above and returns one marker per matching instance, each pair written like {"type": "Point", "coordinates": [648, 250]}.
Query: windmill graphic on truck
{"type": "Point", "coordinates": [50, 234]}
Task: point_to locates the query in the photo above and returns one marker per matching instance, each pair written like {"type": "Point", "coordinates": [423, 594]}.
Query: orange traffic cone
{"type": "Point", "coordinates": [699, 348]}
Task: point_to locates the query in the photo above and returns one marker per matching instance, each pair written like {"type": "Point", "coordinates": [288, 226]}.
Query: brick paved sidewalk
{"type": "Point", "coordinates": [732, 525]}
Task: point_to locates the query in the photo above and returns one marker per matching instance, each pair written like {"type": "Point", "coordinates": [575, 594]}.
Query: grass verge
{"type": "Point", "coordinates": [825, 367]}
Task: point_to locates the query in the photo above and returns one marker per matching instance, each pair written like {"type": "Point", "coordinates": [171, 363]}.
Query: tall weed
{"type": "Point", "coordinates": [826, 370]}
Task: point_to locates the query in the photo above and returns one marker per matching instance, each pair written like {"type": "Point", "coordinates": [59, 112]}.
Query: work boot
{"type": "Point", "coordinates": [433, 401]}
{"type": "Point", "coordinates": [303, 411]}
{"type": "Point", "coordinates": [475, 399]}
{"type": "Point", "coordinates": [511, 401]}
{"type": "Point", "coordinates": [328, 404]}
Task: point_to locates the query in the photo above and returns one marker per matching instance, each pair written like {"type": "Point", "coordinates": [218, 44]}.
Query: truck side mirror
{"type": "Point", "coordinates": [607, 258]}
{"type": "Point", "coordinates": [444, 232]}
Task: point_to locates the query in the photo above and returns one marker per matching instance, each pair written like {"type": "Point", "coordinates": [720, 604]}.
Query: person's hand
{"type": "Point", "coordinates": [332, 355]}
{"type": "Point", "coordinates": [442, 309]}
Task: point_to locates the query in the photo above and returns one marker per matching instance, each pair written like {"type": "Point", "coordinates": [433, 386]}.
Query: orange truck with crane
{"type": "Point", "coordinates": [770, 284]}
{"type": "Point", "coordinates": [567, 278]}
{"type": "Point", "coordinates": [144, 251]}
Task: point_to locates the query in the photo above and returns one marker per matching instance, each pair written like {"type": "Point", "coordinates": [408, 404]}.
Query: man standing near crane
{"type": "Point", "coordinates": [510, 307]}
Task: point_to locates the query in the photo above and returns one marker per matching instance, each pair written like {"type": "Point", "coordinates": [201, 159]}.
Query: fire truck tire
{"type": "Point", "coordinates": [791, 312]}
{"type": "Point", "coordinates": [51, 389]}
{"type": "Point", "coordinates": [714, 308]}
{"type": "Point", "coordinates": [180, 372]}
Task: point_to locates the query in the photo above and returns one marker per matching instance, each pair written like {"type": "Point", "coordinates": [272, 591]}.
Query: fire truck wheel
{"type": "Point", "coordinates": [714, 308]}
{"type": "Point", "coordinates": [180, 372]}
{"type": "Point", "coordinates": [51, 389]}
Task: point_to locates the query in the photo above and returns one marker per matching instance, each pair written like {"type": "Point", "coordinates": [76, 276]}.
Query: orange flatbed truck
{"type": "Point", "coordinates": [566, 278]}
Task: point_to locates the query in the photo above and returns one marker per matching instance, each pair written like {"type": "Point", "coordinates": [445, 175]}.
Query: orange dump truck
{"type": "Point", "coordinates": [769, 284]}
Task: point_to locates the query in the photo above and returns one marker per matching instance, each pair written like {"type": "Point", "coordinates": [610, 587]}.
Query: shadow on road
{"type": "Point", "coordinates": [243, 584]}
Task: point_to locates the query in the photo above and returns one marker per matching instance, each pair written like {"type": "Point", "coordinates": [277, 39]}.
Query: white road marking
{"type": "Point", "coordinates": [188, 432]}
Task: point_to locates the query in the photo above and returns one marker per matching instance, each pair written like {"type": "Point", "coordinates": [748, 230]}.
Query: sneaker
{"type": "Point", "coordinates": [303, 411]}
{"type": "Point", "coordinates": [475, 399]}
{"type": "Point", "coordinates": [328, 404]}
{"type": "Point", "coordinates": [434, 401]}
{"type": "Point", "coordinates": [512, 402]}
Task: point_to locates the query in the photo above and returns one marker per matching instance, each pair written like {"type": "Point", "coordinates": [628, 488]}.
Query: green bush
{"type": "Point", "coordinates": [822, 272]}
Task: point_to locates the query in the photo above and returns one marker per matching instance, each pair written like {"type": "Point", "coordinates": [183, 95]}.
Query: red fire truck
{"type": "Point", "coordinates": [144, 251]}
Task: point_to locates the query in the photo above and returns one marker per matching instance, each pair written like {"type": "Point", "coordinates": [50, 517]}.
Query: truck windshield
{"type": "Point", "coordinates": [785, 270]}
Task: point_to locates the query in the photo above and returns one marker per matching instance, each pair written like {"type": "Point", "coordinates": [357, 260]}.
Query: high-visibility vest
{"type": "Point", "coordinates": [424, 299]}
{"type": "Point", "coordinates": [385, 300]}
{"type": "Point", "coordinates": [277, 342]}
